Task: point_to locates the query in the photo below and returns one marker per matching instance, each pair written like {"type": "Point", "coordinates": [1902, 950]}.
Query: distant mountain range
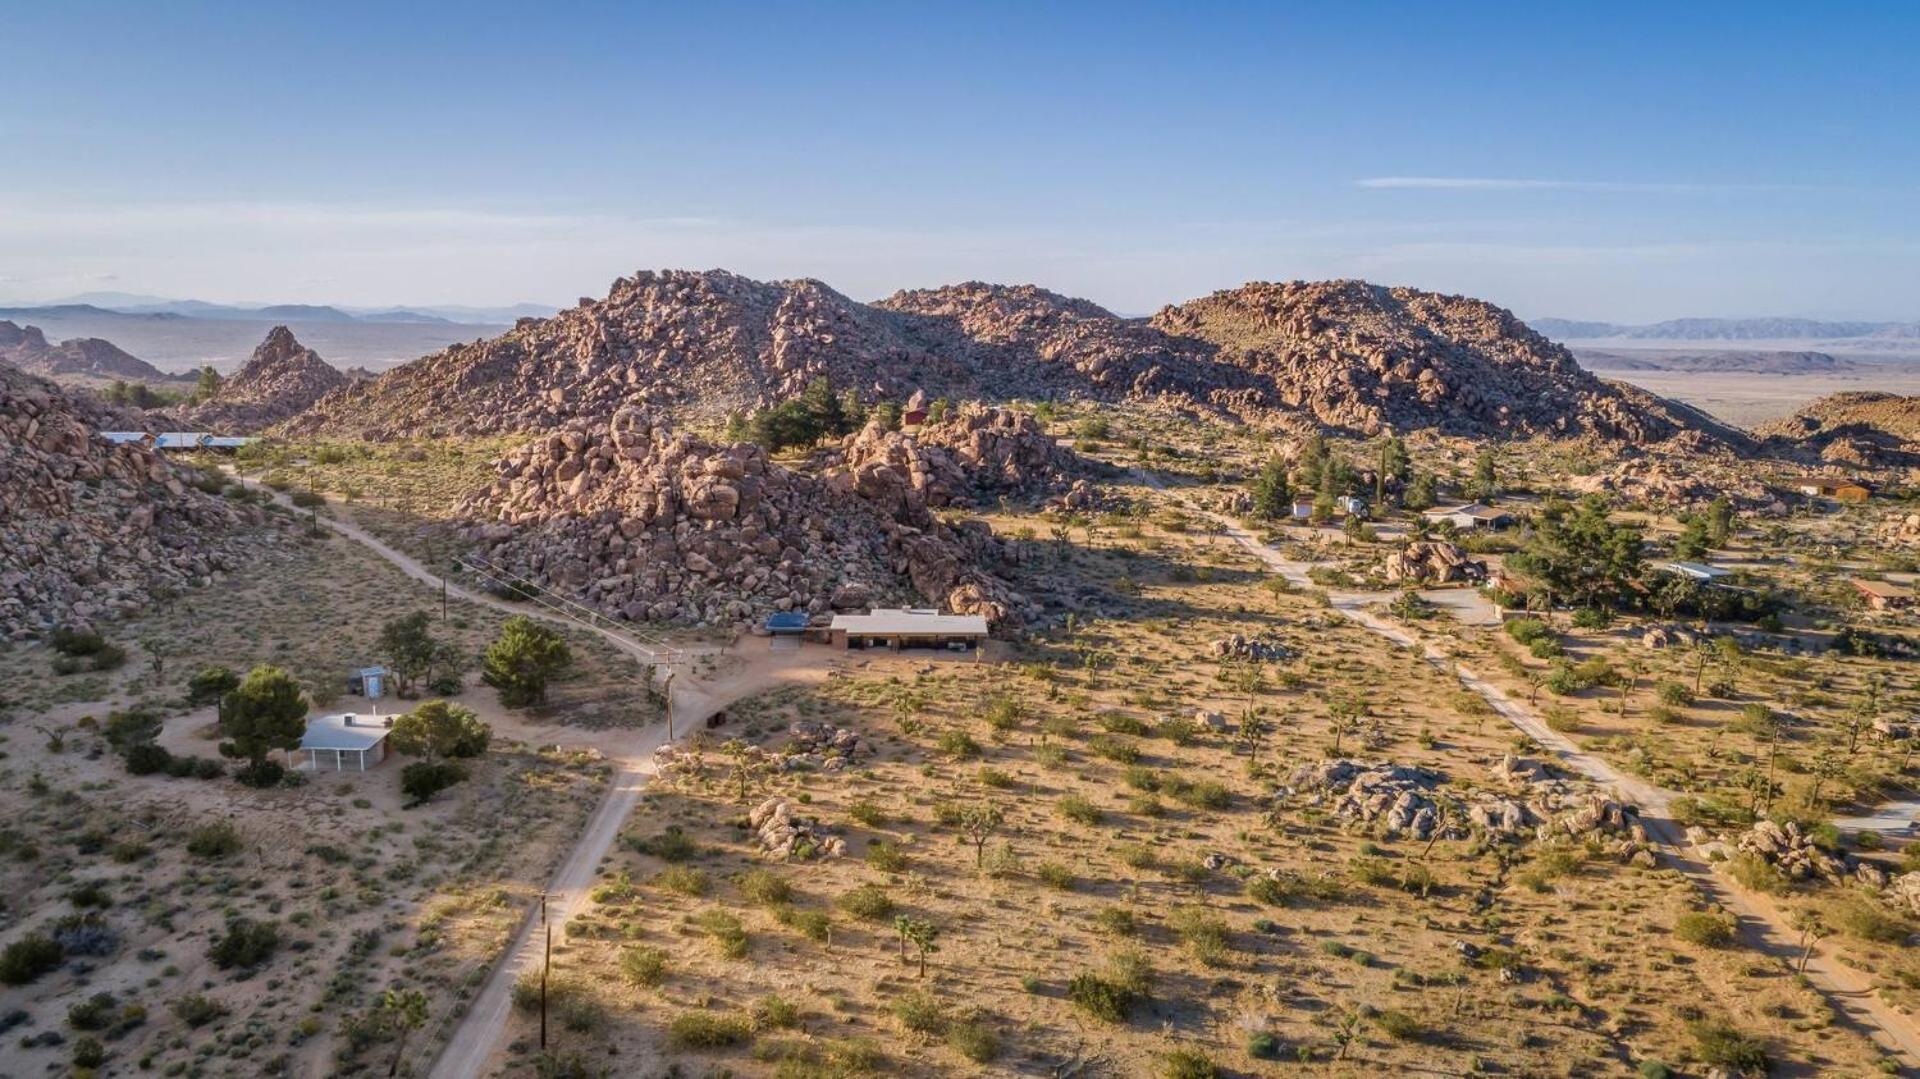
{"type": "Point", "coordinates": [1731, 329]}
{"type": "Point", "coordinates": [1716, 360]}
{"type": "Point", "coordinates": [127, 303]}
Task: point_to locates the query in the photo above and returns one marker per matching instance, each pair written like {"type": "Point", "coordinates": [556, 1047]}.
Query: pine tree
{"type": "Point", "coordinates": [1272, 495]}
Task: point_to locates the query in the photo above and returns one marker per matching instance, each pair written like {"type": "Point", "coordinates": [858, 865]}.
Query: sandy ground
{"type": "Point", "coordinates": [1749, 399]}
{"type": "Point", "coordinates": [1763, 923]}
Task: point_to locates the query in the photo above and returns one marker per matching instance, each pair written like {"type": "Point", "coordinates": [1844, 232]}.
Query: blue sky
{"type": "Point", "coordinates": [1626, 162]}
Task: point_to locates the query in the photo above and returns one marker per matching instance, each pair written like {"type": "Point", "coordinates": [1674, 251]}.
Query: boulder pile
{"type": "Point", "coordinates": [1433, 562]}
{"type": "Point", "coordinates": [970, 455]}
{"type": "Point", "coordinates": [648, 524]}
{"type": "Point", "coordinates": [784, 834]}
{"type": "Point", "coordinates": [823, 746]}
{"type": "Point", "coordinates": [1398, 797]}
{"type": "Point", "coordinates": [1793, 852]}
{"type": "Point", "coordinates": [282, 378]}
{"type": "Point", "coordinates": [92, 531]}
{"type": "Point", "coordinates": [1245, 649]}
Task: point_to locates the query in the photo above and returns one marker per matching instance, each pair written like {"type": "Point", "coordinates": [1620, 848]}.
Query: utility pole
{"type": "Point", "coordinates": [669, 695]}
{"type": "Point", "coordinates": [546, 962]}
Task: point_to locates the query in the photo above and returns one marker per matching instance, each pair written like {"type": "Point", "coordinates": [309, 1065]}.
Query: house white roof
{"type": "Point", "coordinates": [1699, 570]}
{"type": "Point", "coordinates": [888, 621]}
{"type": "Point", "coordinates": [345, 731]}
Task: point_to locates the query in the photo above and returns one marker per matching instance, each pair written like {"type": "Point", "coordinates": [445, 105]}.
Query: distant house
{"type": "Point", "coordinates": [1698, 571]}
{"type": "Point", "coordinates": [1302, 509]}
{"type": "Point", "coordinates": [913, 417]}
{"type": "Point", "coordinates": [1352, 505]}
{"type": "Point", "coordinates": [331, 742]}
{"type": "Point", "coordinates": [177, 440]}
{"type": "Point", "coordinates": [907, 628]}
{"type": "Point", "coordinates": [1840, 490]}
{"type": "Point", "coordinates": [1472, 516]}
{"type": "Point", "coordinates": [1882, 595]}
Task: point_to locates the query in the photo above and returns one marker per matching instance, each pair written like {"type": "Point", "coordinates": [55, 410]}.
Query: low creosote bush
{"type": "Point", "coordinates": [869, 901]}
{"type": "Point", "coordinates": [1704, 928]}
{"type": "Point", "coordinates": [246, 944]}
{"type": "Point", "coordinates": [217, 840]}
{"type": "Point", "coordinates": [703, 1030]}
{"type": "Point", "coordinates": [1078, 809]}
{"type": "Point", "coordinates": [643, 966]}
{"type": "Point", "coordinates": [766, 888]}
{"type": "Point", "coordinates": [671, 845]}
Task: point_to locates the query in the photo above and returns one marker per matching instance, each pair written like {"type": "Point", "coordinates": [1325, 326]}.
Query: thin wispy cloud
{"type": "Point", "coordinates": [1505, 183]}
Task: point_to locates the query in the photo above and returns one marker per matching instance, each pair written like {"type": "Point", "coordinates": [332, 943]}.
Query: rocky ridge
{"type": "Point", "coordinates": [28, 349]}
{"type": "Point", "coordinates": [965, 458]}
{"type": "Point", "coordinates": [1865, 429]}
{"type": "Point", "coordinates": [649, 524]}
{"type": "Point", "coordinates": [1342, 354]}
{"type": "Point", "coordinates": [90, 530]}
{"type": "Point", "coordinates": [281, 379]}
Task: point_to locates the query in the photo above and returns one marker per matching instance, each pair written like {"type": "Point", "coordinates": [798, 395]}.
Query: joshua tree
{"type": "Point", "coordinates": [978, 822]}
{"type": "Point", "coordinates": [923, 935]}
{"type": "Point", "coordinates": [402, 1011]}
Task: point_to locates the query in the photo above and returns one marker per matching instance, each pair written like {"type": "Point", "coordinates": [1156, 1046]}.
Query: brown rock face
{"type": "Point", "coordinates": [27, 348]}
{"type": "Point", "coordinates": [282, 378]}
{"type": "Point", "coordinates": [976, 453]}
{"type": "Point", "coordinates": [89, 530]}
{"type": "Point", "coordinates": [1365, 358]}
{"type": "Point", "coordinates": [652, 525]}
{"type": "Point", "coordinates": [1343, 354]}
{"type": "Point", "coordinates": [1861, 430]}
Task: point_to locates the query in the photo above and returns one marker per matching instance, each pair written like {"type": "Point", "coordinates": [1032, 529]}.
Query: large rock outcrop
{"type": "Point", "coordinates": [1341, 354]}
{"type": "Point", "coordinates": [649, 524]}
{"type": "Point", "coordinates": [973, 454]}
{"type": "Point", "coordinates": [282, 378]}
{"type": "Point", "coordinates": [90, 530]}
{"type": "Point", "coordinates": [28, 349]}
{"type": "Point", "coordinates": [1860, 430]}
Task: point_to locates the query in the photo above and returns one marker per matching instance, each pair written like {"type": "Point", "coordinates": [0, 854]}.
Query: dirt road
{"type": "Point", "coordinates": [1763, 925]}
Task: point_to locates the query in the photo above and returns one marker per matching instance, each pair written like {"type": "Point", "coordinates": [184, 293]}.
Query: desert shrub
{"type": "Point", "coordinates": [1117, 921]}
{"type": "Point", "coordinates": [1122, 723]}
{"type": "Point", "coordinates": [766, 888]}
{"type": "Point", "coordinates": [76, 642]}
{"type": "Point", "coordinates": [1099, 997]}
{"type": "Point", "coordinates": [1372, 871]}
{"type": "Point", "coordinates": [1664, 715]}
{"type": "Point", "coordinates": [1114, 748]}
{"type": "Point", "coordinates": [886, 857]}
{"type": "Point", "coordinates": [246, 944]}
{"type": "Point", "coordinates": [815, 925]}
{"type": "Point", "coordinates": [867, 813]}
{"type": "Point", "coordinates": [84, 934]}
{"type": "Point", "coordinates": [1262, 1045]}
{"type": "Point", "coordinates": [973, 1039]}
{"type": "Point", "coordinates": [1753, 871]}
{"type": "Point", "coordinates": [1863, 919]}
{"type": "Point", "coordinates": [217, 840]}
{"type": "Point", "coordinates": [196, 1009]}
{"type": "Point", "coordinates": [1673, 694]}
{"type": "Point", "coordinates": [1755, 719]}
{"type": "Point", "coordinates": [920, 1011]}
{"type": "Point", "coordinates": [704, 1030]}
{"type": "Point", "coordinates": [776, 1012]}
{"type": "Point", "coordinates": [28, 958]}
{"type": "Point", "coordinates": [260, 774]}
{"type": "Point", "coordinates": [146, 758]}
{"type": "Point", "coordinates": [94, 1013]}
{"type": "Point", "coordinates": [958, 743]}
{"type": "Point", "coordinates": [683, 879]}
{"type": "Point", "coordinates": [1591, 618]}
{"type": "Point", "coordinates": [1054, 875]}
{"type": "Point", "coordinates": [672, 845]}
{"type": "Point", "coordinates": [1528, 630]}
{"type": "Point", "coordinates": [88, 1053]}
{"type": "Point", "coordinates": [1204, 934]}
{"type": "Point", "coordinates": [1707, 929]}
{"type": "Point", "coordinates": [1078, 809]}
{"type": "Point", "coordinates": [997, 779]}
{"type": "Point", "coordinates": [1398, 1025]}
{"type": "Point", "coordinates": [643, 966]}
{"type": "Point", "coordinates": [728, 935]}
{"type": "Point", "coordinates": [1187, 1064]}
{"type": "Point", "coordinates": [1179, 730]}
{"type": "Point", "coordinates": [869, 901]}
{"type": "Point", "coordinates": [1200, 794]}
{"type": "Point", "coordinates": [421, 780]}
{"type": "Point", "coordinates": [1721, 1044]}
{"type": "Point", "coordinates": [1546, 648]}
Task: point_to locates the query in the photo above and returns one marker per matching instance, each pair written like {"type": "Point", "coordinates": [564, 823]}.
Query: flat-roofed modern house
{"type": "Point", "coordinates": [178, 440]}
{"type": "Point", "coordinates": [898, 628]}
{"type": "Point", "coordinates": [1840, 490]}
{"type": "Point", "coordinates": [1467, 518]}
{"type": "Point", "coordinates": [1883, 595]}
{"type": "Point", "coordinates": [333, 742]}
{"type": "Point", "coordinates": [1698, 571]}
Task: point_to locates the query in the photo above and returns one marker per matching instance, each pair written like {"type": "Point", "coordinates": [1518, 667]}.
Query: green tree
{"type": "Point", "coordinates": [1720, 521]}
{"type": "Point", "coordinates": [409, 649]}
{"type": "Point", "coordinates": [824, 406]}
{"type": "Point", "coordinates": [207, 384]}
{"type": "Point", "coordinates": [265, 712]}
{"type": "Point", "coordinates": [522, 660]}
{"type": "Point", "coordinates": [402, 1011]}
{"type": "Point", "coordinates": [1420, 492]}
{"type": "Point", "coordinates": [1272, 496]}
{"type": "Point", "coordinates": [1691, 543]}
{"type": "Point", "coordinates": [1311, 461]}
{"type": "Point", "coordinates": [1486, 477]}
{"type": "Point", "coordinates": [436, 729]}
{"type": "Point", "coordinates": [1389, 467]}
{"type": "Point", "coordinates": [210, 684]}
{"type": "Point", "coordinates": [1577, 553]}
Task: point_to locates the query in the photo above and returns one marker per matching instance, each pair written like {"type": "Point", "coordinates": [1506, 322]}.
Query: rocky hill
{"type": "Point", "coordinates": [652, 525]}
{"type": "Point", "coordinates": [283, 378]}
{"type": "Point", "coordinates": [1866, 429]}
{"type": "Point", "coordinates": [974, 454]}
{"type": "Point", "coordinates": [28, 349]}
{"type": "Point", "coordinates": [1364, 357]}
{"type": "Point", "coordinates": [90, 530]}
{"type": "Point", "coordinates": [1344, 354]}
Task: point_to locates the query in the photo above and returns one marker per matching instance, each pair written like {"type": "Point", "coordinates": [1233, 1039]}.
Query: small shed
{"type": "Point", "coordinates": [1351, 505]}
{"type": "Point", "coordinates": [1882, 595]}
{"type": "Point", "coordinates": [908, 628]}
{"type": "Point", "coordinates": [1698, 571]}
{"type": "Point", "coordinates": [333, 741]}
{"type": "Point", "coordinates": [1838, 489]}
{"type": "Point", "coordinates": [787, 622]}
{"type": "Point", "coordinates": [1302, 508]}
{"type": "Point", "coordinates": [368, 682]}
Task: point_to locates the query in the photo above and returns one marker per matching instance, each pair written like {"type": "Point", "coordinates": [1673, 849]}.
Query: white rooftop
{"type": "Point", "coordinates": [345, 731]}
{"type": "Point", "coordinates": [885, 621]}
{"type": "Point", "coordinates": [1699, 570]}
